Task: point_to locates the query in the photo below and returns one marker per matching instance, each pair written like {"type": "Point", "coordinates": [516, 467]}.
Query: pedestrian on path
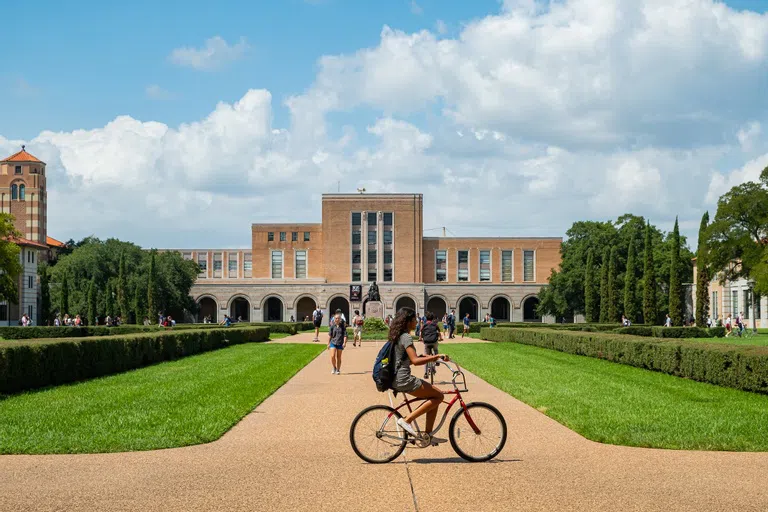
{"type": "Point", "coordinates": [466, 325]}
{"type": "Point", "coordinates": [317, 321]}
{"type": "Point", "coordinates": [357, 324]}
{"type": "Point", "coordinates": [452, 324]}
{"type": "Point", "coordinates": [337, 341]}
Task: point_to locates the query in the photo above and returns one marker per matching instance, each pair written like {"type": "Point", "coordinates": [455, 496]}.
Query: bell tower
{"type": "Point", "coordinates": [23, 194]}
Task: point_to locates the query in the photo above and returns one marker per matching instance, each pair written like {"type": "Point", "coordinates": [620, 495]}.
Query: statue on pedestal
{"type": "Point", "coordinates": [373, 293]}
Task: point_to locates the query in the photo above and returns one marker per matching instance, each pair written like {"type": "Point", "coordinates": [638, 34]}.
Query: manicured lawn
{"type": "Point", "coordinates": [190, 401]}
{"type": "Point", "coordinates": [761, 340]}
{"type": "Point", "coordinates": [278, 335]}
{"type": "Point", "coordinates": [617, 404]}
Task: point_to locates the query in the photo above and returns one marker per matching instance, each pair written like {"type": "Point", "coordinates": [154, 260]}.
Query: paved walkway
{"type": "Point", "coordinates": [293, 453]}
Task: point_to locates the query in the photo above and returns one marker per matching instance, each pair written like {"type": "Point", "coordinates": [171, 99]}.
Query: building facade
{"type": "Point", "coordinates": [730, 298]}
{"type": "Point", "coordinates": [361, 239]}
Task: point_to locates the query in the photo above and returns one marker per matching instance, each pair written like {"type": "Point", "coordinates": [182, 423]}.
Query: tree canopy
{"type": "Point", "coordinates": [10, 267]}
{"type": "Point", "coordinates": [565, 294]}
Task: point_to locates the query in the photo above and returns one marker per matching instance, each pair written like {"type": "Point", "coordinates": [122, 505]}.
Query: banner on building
{"type": "Point", "coordinates": [355, 293]}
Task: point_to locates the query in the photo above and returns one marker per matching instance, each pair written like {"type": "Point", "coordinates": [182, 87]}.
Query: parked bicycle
{"type": "Point", "coordinates": [477, 430]}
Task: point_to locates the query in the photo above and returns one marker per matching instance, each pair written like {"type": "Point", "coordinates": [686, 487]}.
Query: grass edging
{"type": "Point", "coordinates": [734, 366]}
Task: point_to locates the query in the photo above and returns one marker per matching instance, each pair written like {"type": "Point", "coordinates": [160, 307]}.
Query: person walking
{"type": "Point", "coordinates": [466, 325]}
{"type": "Point", "coordinates": [357, 326]}
{"type": "Point", "coordinates": [317, 321]}
{"type": "Point", "coordinates": [430, 336]}
{"type": "Point", "coordinates": [337, 342]}
{"type": "Point", "coordinates": [452, 324]}
{"type": "Point", "coordinates": [668, 321]}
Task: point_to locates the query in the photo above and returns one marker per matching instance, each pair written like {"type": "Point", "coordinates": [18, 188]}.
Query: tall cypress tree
{"type": "Point", "coordinates": [614, 304]}
{"type": "Point", "coordinates": [591, 297]}
{"type": "Point", "coordinates": [45, 296]}
{"type": "Point", "coordinates": [92, 308]}
{"type": "Point", "coordinates": [109, 303]}
{"type": "Point", "coordinates": [604, 296]}
{"type": "Point", "coordinates": [138, 304]}
{"type": "Point", "coordinates": [650, 313]}
{"type": "Point", "coordinates": [676, 297]}
{"type": "Point", "coordinates": [630, 284]}
{"type": "Point", "coordinates": [702, 275]}
{"type": "Point", "coordinates": [152, 289]}
{"type": "Point", "coordinates": [122, 292]}
{"type": "Point", "coordinates": [64, 296]}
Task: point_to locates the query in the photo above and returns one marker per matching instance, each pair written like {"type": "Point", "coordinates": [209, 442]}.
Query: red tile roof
{"type": "Point", "coordinates": [53, 242]}
{"type": "Point", "coordinates": [26, 242]}
{"type": "Point", "coordinates": [22, 156]}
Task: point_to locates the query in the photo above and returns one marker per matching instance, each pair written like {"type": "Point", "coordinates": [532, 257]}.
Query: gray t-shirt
{"type": "Point", "coordinates": [402, 362]}
{"type": "Point", "coordinates": [337, 334]}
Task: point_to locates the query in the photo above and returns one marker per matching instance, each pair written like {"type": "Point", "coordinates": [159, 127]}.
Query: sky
{"type": "Point", "coordinates": [178, 124]}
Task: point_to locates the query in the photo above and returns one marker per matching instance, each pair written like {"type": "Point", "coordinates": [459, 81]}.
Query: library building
{"type": "Point", "coordinates": [290, 269]}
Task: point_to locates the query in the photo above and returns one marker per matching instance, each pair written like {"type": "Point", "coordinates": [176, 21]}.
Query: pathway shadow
{"type": "Point", "coordinates": [459, 460]}
{"type": "Point", "coordinates": [356, 373]}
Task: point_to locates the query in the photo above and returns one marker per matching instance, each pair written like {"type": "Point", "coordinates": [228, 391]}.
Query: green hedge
{"type": "Point", "coordinates": [736, 366]}
{"type": "Point", "coordinates": [680, 332]}
{"type": "Point", "coordinates": [636, 330]}
{"type": "Point", "coordinates": [565, 327]}
{"type": "Point", "coordinates": [28, 333]}
{"type": "Point", "coordinates": [33, 364]}
{"type": "Point", "coordinates": [283, 327]}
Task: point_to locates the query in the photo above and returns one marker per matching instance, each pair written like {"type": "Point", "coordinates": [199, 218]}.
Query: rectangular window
{"type": "Point", "coordinates": [33, 257]}
{"type": "Point", "coordinates": [758, 313]}
{"type": "Point", "coordinates": [247, 265]}
{"type": "Point", "coordinates": [356, 219]}
{"type": "Point", "coordinates": [463, 266]}
{"type": "Point", "coordinates": [372, 237]}
{"type": "Point", "coordinates": [485, 266]}
{"type": "Point", "coordinates": [271, 236]}
{"type": "Point", "coordinates": [29, 311]}
{"type": "Point", "coordinates": [282, 236]}
{"type": "Point", "coordinates": [232, 265]}
{"type": "Point", "coordinates": [202, 262]}
{"type": "Point", "coordinates": [306, 236]}
{"type": "Point", "coordinates": [388, 218]}
{"type": "Point", "coordinates": [387, 238]}
{"type": "Point", "coordinates": [372, 256]}
{"type": "Point", "coordinates": [734, 302]}
{"type": "Point", "coordinates": [356, 256]}
{"type": "Point", "coordinates": [387, 257]}
{"type": "Point", "coordinates": [355, 238]}
{"type": "Point", "coordinates": [371, 218]}
{"type": "Point", "coordinates": [277, 264]}
{"type": "Point", "coordinates": [528, 266]}
{"type": "Point", "coordinates": [30, 283]}
{"type": "Point", "coordinates": [17, 170]}
{"type": "Point", "coordinates": [187, 255]}
{"type": "Point", "coordinates": [747, 304]}
{"type": "Point", "coordinates": [301, 264]}
{"type": "Point", "coordinates": [441, 265]}
{"type": "Point", "coordinates": [356, 276]}
{"type": "Point", "coordinates": [3, 312]}
{"type": "Point", "coordinates": [387, 274]}
{"type": "Point", "coordinates": [295, 236]}
{"type": "Point", "coordinates": [372, 275]}
{"type": "Point", "coordinates": [506, 265]}
{"type": "Point", "coordinates": [217, 262]}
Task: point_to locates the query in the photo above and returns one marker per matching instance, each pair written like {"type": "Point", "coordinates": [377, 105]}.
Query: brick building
{"type": "Point", "coordinates": [731, 297]}
{"type": "Point", "coordinates": [290, 268]}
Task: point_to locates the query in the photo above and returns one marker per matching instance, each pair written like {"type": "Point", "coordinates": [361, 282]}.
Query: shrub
{"type": "Point", "coordinates": [736, 366]}
{"type": "Point", "coordinates": [374, 324]}
{"type": "Point", "coordinates": [635, 330]}
{"type": "Point", "coordinates": [716, 332]}
{"type": "Point", "coordinates": [28, 333]}
{"type": "Point", "coordinates": [33, 364]}
{"type": "Point", "coordinates": [680, 332]}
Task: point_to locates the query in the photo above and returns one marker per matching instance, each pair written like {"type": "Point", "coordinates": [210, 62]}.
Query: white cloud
{"type": "Point", "coordinates": [214, 55]}
{"type": "Point", "coordinates": [748, 135]}
{"type": "Point", "coordinates": [156, 92]}
{"type": "Point", "coordinates": [441, 27]}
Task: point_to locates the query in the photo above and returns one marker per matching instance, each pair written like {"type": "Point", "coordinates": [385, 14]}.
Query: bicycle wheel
{"type": "Point", "coordinates": [375, 436]}
{"type": "Point", "coordinates": [482, 446]}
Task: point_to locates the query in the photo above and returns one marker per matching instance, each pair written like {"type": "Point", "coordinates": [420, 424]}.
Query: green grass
{"type": "Point", "coordinates": [617, 404]}
{"type": "Point", "coordinates": [278, 335]}
{"type": "Point", "coordinates": [190, 401]}
{"type": "Point", "coordinates": [761, 340]}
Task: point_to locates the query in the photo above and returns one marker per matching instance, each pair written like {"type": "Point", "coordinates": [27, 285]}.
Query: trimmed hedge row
{"type": "Point", "coordinates": [28, 333]}
{"type": "Point", "coordinates": [672, 332]}
{"type": "Point", "coordinates": [34, 364]}
{"type": "Point", "coordinates": [283, 327]}
{"type": "Point", "coordinates": [734, 366]}
{"type": "Point", "coordinates": [563, 327]}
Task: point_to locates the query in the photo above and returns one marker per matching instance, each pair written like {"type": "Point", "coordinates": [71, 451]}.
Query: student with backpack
{"type": "Point", "coordinates": [317, 321]}
{"type": "Point", "coordinates": [400, 348]}
{"type": "Point", "coordinates": [466, 325]}
{"type": "Point", "coordinates": [357, 323]}
{"type": "Point", "coordinates": [452, 324]}
{"type": "Point", "coordinates": [430, 335]}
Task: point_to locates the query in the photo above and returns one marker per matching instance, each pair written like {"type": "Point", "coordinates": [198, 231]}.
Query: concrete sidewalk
{"type": "Point", "coordinates": [293, 453]}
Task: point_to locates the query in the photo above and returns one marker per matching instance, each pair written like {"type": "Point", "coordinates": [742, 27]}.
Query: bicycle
{"type": "Point", "coordinates": [430, 368]}
{"type": "Point", "coordinates": [474, 425]}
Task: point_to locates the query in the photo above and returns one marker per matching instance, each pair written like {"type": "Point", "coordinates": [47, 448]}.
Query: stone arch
{"type": "Point", "coordinates": [304, 306]}
{"type": "Point", "coordinates": [405, 300]}
{"type": "Point", "coordinates": [468, 304]}
{"type": "Point", "coordinates": [528, 305]}
{"type": "Point", "coordinates": [239, 306]}
{"type": "Point", "coordinates": [500, 307]}
{"type": "Point", "coordinates": [273, 308]}
{"type": "Point", "coordinates": [207, 305]}
{"type": "Point", "coordinates": [337, 301]}
{"type": "Point", "coordinates": [438, 309]}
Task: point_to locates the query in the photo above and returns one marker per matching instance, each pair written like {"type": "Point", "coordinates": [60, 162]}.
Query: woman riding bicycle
{"type": "Point", "coordinates": [405, 355]}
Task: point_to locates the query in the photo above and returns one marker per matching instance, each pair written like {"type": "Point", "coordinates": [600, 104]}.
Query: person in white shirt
{"type": "Point", "coordinates": [728, 329]}
{"type": "Point", "coordinates": [317, 321]}
{"type": "Point", "coordinates": [668, 322]}
{"type": "Point", "coordinates": [709, 321]}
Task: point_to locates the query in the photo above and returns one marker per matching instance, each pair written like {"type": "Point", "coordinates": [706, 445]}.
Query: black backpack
{"type": "Point", "coordinates": [384, 367]}
{"type": "Point", "coordinates": [319, 317]}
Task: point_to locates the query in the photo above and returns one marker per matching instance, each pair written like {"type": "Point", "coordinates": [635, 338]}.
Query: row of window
{"type": "Point", "coordinates": [735, 310]}
{"type": "Point", "coordinates": [17, 170]}
{"type": "Point", "coordinates": [294, 236]}
{"type": "Point", "coordinates": [484, 267]}
{"type": "Point", "coordinates": [18, 192]}
{"type": "Point", "coordinates": [232, 263]}
{"type": "Point", "coordinates": [300, 266]}
{"type": "Point", "coordinates": [371, 218]}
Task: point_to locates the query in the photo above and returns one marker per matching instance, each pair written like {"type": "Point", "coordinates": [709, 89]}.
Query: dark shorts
{"type": "Point", "coordinates": [317, 324]}
{"type": "Point", "coordinates": [430, 348]}
{"type": "Point", "coordinates": [340, 346]}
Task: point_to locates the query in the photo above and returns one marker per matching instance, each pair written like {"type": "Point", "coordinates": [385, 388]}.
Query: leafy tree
{"type": "Point", "coordinates": [592, 297]}
{"type": "Point", "coordinates": [737, 240]}
{"type": "Point", "coordinates": [614, 304]}
{"type": "Point", "coordinates": [138, 303]}
{"type": "Point", "coordinates": [676, 292]}
{"type": "Point", "coordinates": [702, 274]}
{"type": "Point", "coordinates": [650, 311]}
{"type": "Point", "coordinates": [109, 300]}
{"type": "Point", "coordinates": [122, 292]}
{"type": "Point", "coordinates": [605, 291]}
{"type": "Point", "coordinates": [45, 295]}
{"type": "Point", "coordinates": [64, 295]}
{"type": "Point", "coordinates": [92, 305]}
{"type": "Point", "coordinates": [10, 267]}
{"type": "Point", "coordinates": [630, 285]}
{"type": "Point", "coordinates": [152, 295]}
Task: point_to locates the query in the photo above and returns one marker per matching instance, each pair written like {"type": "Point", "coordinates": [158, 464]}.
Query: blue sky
{"type": "Point", "coordinates": [558, 113]}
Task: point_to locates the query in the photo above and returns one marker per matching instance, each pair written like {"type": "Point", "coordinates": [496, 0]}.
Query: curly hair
{"type": "Point", "coordinates": [399, 325]}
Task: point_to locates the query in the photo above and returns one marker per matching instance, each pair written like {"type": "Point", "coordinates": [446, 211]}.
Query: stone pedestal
{"type": "Point", "coordinates": [374, 309]}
